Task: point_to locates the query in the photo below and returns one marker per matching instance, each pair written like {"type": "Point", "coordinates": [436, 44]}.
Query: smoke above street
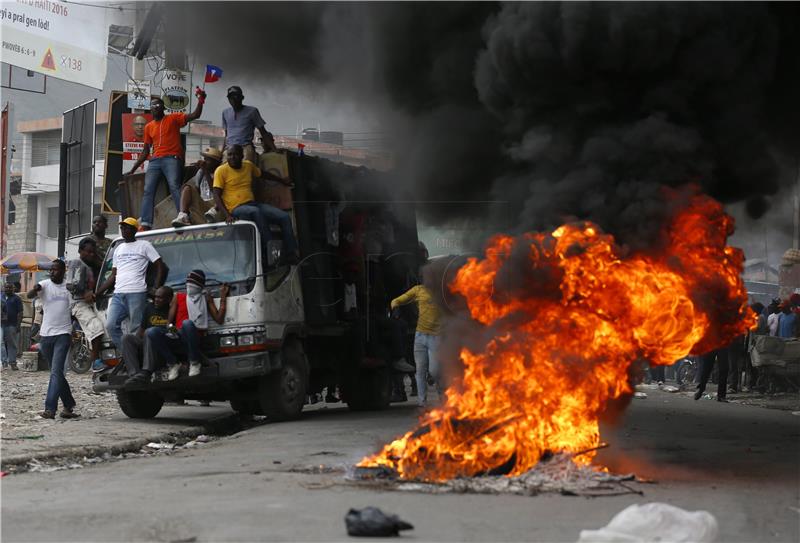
{"type": "Point", "coordinates": [542, 112]}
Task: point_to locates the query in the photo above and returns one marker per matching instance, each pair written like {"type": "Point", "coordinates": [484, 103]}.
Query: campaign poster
{"type": "Point", "coordinates": [133, 136]}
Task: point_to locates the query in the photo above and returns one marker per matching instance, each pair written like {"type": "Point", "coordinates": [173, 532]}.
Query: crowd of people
{"type": "Point", "coordinates": [226, 182]}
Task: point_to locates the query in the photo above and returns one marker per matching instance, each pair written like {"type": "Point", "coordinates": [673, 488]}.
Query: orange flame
{"type": "Point", "coordinates": [558, 355]}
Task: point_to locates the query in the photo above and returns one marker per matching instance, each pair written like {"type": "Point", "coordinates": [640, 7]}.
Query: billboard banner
{"type": "Point", "coordinates": [133, 137]}
{"type": "Point", "coordinates": [63, 40]}
{"type": "Point", "coordinates": [177, 87]}
{"type": "Point", "coordinates": [79, 131]}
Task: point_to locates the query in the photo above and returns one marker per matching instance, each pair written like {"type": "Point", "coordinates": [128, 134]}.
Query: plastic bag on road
{"type": "Point", "coordinates": [372, 522]}
{"type": "Point", "coordinates": [655, 522]}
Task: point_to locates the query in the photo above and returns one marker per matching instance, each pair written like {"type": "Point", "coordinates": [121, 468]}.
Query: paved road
{"type": "Point", "coordinates": [739, 462]}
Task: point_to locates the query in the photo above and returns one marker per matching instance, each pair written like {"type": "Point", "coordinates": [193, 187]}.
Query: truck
{"type": "Point", "coordinates": [290, 330]}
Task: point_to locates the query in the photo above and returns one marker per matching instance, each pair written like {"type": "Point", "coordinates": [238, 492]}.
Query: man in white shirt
{"type": "Point", "coordinates": [56, 334]}
{"type": "Point", "coordinates": [129, 280]}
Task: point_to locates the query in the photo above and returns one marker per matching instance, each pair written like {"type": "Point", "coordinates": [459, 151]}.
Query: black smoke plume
{"type": "Point", "coordinates": [551, 111]}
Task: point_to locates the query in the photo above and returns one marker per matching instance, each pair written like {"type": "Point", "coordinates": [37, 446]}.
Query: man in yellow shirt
{"type": "Point", "coordinates": [234, 196]}
{"type": "Point", "coordinates": [426, 339]}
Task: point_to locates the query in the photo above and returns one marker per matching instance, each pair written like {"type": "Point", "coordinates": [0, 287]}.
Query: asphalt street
{"type": "Point", "coordinates": [286, 482]}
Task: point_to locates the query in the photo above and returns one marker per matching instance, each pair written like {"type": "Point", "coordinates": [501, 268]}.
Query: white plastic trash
{"type": "Point", "coordinates": [655, 522]}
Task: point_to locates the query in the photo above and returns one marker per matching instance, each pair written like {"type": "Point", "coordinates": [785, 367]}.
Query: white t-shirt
{"type": "Point", "coordinates": [56, 301]}
{"type": "Point", "coordinates": [772, 322]}
{"type": "Point", "coordinates": [131, 260]}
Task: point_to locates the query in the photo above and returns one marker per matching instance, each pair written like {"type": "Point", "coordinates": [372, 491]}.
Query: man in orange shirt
{"type": "Point", "coordinates": [162, 136]}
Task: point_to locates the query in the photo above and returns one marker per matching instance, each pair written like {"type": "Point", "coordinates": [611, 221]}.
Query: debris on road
{"type": "Point", "coordinates": [655, 522]}
{"type": "Point", "coordinates": [168, 446]}
{"type": "Point", "coordinates": [670, 388]}
{"type": "Point", "coordinates": [640, 395]}
{"type": "Point", "coordinates": [372, 522]}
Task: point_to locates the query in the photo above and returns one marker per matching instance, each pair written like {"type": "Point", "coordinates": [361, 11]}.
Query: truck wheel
{"type": "Point", "coordinates": [139, 404]}
{"type": "Point", "coordinates": [247, 407]}
{"type": "Point", "coordinates": [282, 394]}
{"type": "Point", "coordinates": [370, 390]}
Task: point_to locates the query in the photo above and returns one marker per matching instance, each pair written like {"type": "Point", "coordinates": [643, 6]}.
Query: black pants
{"type": "Point", "coordinates": [707, 366]}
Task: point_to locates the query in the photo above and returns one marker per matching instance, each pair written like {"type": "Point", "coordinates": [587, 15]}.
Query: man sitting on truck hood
{"type": "Point", "coordinates": [137, 353]}
{"type": "Point", "coordinates": [234, 194]}
{"type": "Point", "coordinates": [190, 312]}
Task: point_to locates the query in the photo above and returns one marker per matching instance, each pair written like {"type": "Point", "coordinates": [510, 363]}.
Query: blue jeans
{"type": "Point", "coordinates": [55, 350]}
{"type": "Point", "coordinates": [172, 169]}
{"type": "Point", "coordinates": [264, 215]}
{"type": "Point", "coordinates": [9, 345]}
{"type": "Point", "coordinates": [425, 347]}
{"type": "Point", "coordinates": [165, 348]}
{"type": "Point", "coordinates": [128, 305]}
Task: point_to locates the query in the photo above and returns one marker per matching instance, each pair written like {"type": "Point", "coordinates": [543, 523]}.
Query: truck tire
{"type": "Point", "coordinates": [139, 404]}
{"type": "Point", "coordinates": [370, 390]}
{"type": "Point", "coordinates": [282, 394]}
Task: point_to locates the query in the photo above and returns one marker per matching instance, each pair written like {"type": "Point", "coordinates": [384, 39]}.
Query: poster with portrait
{"type": "Point", "coordinates": [133, 136]}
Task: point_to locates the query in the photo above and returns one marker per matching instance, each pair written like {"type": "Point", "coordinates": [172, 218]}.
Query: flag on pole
{"type": "Point", "coordinates": [213, 73]}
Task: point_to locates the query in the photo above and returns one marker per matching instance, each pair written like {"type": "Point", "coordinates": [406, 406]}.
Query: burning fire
{"type": "Point", "coordinates": [563, 340]}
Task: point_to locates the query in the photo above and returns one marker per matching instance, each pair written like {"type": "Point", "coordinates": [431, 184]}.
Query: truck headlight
{"type": "Point", "coordinates": [227, 341]}
{"type": "Point", "coordinates": [246, 339]}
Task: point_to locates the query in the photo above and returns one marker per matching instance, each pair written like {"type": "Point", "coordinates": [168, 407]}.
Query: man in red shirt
{"type": "Point", "coordinates": [162, 136]}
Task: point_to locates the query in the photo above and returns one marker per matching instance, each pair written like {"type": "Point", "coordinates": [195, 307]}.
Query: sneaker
{"type": "Point", "coordinates": [47, 414]}
{"type": "Point", "coordinates": [173, 372]}
{"type": "Point", "coordinates": [69, 414]}
{"type": "Point", "coordinates": [211, 215]}
{"type": "Point", "coordinates": [98, 366]}
{"type": "Point", "coordinates": [402, 366]}
{"type": "Point", "coordinates": [181, 220]}
{"type": "Point", "coordinates": [698, 394]}
{"type": "Point", "coordinates": [194, 369]}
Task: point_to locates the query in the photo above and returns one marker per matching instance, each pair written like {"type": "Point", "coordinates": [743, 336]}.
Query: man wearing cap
{"type": "Point", "coordinates": [129, 280]}
{"type": "Point", "coordinates": [162, 136]}
{"type": "Point", "coordinates": [240, 122]}
{"type": "Point", "coordinates": [198, 189]}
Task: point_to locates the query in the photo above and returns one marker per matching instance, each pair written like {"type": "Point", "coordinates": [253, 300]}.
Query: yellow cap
{"type": "Point", "coordinates": [130, 221]}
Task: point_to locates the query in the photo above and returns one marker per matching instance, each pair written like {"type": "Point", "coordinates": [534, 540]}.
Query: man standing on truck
{"type": "Point", "coordinates": [234, 194]}
{"type": "Point", "coordinates": [12, 320]}
{"type": "Point", "coordinates": [81, 282]}
{"type": "Point", "coordinates": [240, 123]}
{"type": "Point", "coordinates": [137, 353]}
{"type": "Point", "coordinates": [56, 334]}
{"type": "Point", "coordinates": [162, 135]}
{"type": "Point", "coordinates": [190, 312]}
{"type": "Point", "coordinates": [197, 191]}
{"type": "Point", "coordinates": [129, 280]}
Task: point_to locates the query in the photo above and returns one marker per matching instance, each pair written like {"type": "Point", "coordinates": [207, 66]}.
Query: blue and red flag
{"type": "Point", "coordinates": [213, 73]}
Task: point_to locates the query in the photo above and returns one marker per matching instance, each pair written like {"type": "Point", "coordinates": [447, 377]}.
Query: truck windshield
{"type": "Point", "coordinates": [226, 254]}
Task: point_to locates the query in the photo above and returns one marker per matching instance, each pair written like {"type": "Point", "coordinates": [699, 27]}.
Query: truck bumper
{"type": "Point", "coordinates": [240, 366]}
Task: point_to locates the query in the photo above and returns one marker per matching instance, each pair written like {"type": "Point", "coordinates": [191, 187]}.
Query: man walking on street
{"type": "Point", "coordinates": [81, 282]}
{"type": "Point", "coordinates": [56, 334]}
{"type": "Point", "coordinates": [128, 278]}
{"type": "Point", "coordinates": [162, 135]}
{"type": "Point", "coordinates": [12, 320]}
{"type": "Point", "coordinates": [102, 243]}
{"type": "Point", "coordinates": [137, 352]}
{"type": "Point", "coordinates": [240, 123]}
{"type": "Point", "coordinates": [233, 192]}
{"type": "Point", "coordinates": [707, 366]}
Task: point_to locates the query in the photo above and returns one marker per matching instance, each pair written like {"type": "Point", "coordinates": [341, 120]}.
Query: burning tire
{"type": "Point", "coordinates": [370, 390]}
{"type": "Point", "coordinates": [139, 404]}
{"type": "Point", "coordinates": [283, 393]}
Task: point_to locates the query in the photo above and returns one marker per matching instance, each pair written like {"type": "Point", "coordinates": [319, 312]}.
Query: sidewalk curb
{"type": "Point", "coordinates": [222, 424]}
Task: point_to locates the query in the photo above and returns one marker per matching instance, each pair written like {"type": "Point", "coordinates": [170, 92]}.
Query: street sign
{"type": "Point", "coordinates": [138, 94]}
{"type": "Point", "coordinates": [59, 39]}
{"type": "Point", "coordinates": [177, 87]}
{"type": "Point", "coordinates": [79, 133]}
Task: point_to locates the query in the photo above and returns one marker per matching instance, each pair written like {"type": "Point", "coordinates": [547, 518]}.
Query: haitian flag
{"type": "Point", "coordinates": [213, 73]}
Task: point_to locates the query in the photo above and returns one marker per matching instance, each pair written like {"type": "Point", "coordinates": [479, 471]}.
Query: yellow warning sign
{"type": "Point", "coordinates": [48, 61]}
